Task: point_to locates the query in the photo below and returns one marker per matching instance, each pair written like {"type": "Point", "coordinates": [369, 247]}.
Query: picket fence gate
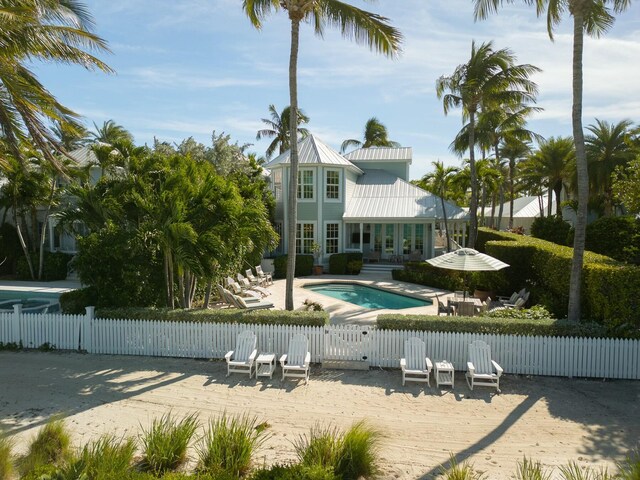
{"type": "Point", "coordinates": [553, 356]}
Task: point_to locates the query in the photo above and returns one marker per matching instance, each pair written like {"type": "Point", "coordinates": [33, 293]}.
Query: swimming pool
{"type": "Point", "coordinates": [367, 297]}
{"type": "Point", "coordinates": [24, 294]}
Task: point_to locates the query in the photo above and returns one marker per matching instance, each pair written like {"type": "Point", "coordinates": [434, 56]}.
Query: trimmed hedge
{"type": "Point", "coordinates": [345, 263]}
{"type": "Point", "coordinates": [74, 302]}
{"type": "Point", "coordinates": [259, 317]}
{"type": "Point", "coordinates": [553, 229]}
{"type": "Point", "coordinates": [304, 266]}
{"type": "Point", "coordinates": [498, 326]}
{"type": "Point", "coordinates": [424, 274]}
{"type": "Point", "coordinates": [617, 237]}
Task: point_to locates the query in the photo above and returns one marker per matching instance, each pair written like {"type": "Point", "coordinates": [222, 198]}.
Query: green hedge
{"type": "Point", "coordinates": [616, 237]}
{"type": "Point", "coordinates": [553, 229]}
{"type": "Point", "coordinates": [304, 266]}
{"type": "Point", "coordinates": [498, 326]}
{"type": "Point", "coordinates": [260, 317]}
{"type": "Point", "coordinates": [74, 302]}
{"type": "Point", "coordinates": [55, 266]}
{"type": "Point", "coordinates": [424, 274]}
{"type": "Point", "coordinates": [345, 263]}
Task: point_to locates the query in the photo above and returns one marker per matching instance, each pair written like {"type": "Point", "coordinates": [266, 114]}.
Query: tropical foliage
{"type": "Point", "coordinates": [278, 129]}
{"type": "Point", "coordinates": [375, 135]}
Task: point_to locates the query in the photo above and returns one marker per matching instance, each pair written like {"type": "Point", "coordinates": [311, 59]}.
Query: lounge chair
{"type": "Point", "coordinates": [268, 276]}
{"type": "Point", "coordinates": [242, 358]}
{"type": "Point", "coordinates": [253, 279]}
{"type": "Point", "coordinates": [236, 289]}
{"type": "Point", "coordinates": [247, 285]}
{"type": "Point", "coordinates": [244, 305]}
{"type": "Point", "coordinates": [416, 366]}
{"type": "Point", "coordinates": [481, 369]}
{"type": "Point", "coordinates": [227, 297]}
{"type": "Point", "coordinates": [295, 363]}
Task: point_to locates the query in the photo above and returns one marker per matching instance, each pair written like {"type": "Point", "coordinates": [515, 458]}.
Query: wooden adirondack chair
{"type": "Point", "coordinates": [481, 369]}
{"type": "Point", "coordinates": [242, 358]}
{"type": "Point", "coordinates": [267, 276]}
{"type": "Point", "coordinates": [295, 363]}
{"type": "Point", "coordinates": [416, 366]}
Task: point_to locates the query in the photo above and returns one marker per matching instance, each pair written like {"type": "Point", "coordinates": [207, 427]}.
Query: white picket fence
{"type": "Point", "coordinates": [569, 357]}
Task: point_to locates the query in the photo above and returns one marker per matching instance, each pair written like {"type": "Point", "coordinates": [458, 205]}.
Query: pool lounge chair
{"type": "Point", "coordinates": [241, 359]}
{"type": "Point", "coordinates": [244, 305]}
{"type": "Point", "coordinates": [268, 276]}
{"type": "Point", "coordinates": [295, 363]}
{"type": "Point", "coordinates": [481, 369]}
{"type": "Point", "coordinates": [238, 290]}
{"type": "Point", "coordinates": [246, 285]}
{"type": "Point", "coordinates": [253, 279]}
{"type": "Point", "coordinates": [416, 366]}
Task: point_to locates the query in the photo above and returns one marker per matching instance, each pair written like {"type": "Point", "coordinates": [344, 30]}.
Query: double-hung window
{"type": "Point", "coordinates": [305, 184]}
{"type": "Point", "coordinates": [277, 183]}
{"type": "Point", "coordinates": [331, 238]}
{"type": "Point", "coordinates": [305, 238]}
{"type": "Point", "coordinates": [332, 185]}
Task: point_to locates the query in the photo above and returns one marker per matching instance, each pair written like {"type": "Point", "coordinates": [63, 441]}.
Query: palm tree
{"type": "Point", "coordinates": [375, 135]}
{"type": "Point", "coordinates": [110, 133]}
{"type": "Point", "coordinates": [70, 137]}
{"type": "Point", "coordinates": [551, 164]}
{"type": "Point", "coordinates": [278, 129]}
{"type": "Point", "coordinates": [513, 150]}
{"type": "Point", "coordinates": [489, 77]}
{"type": "Point", "coordinates": [438, 182]}
{"type": "Point", "coordinates": [365, 27]}
{"type": "Point", "coordinates": [47, 30]}
{"type": "Point", "coordinates": [607, 149]}
{"type": "Point", "coordinates": [594, 18]}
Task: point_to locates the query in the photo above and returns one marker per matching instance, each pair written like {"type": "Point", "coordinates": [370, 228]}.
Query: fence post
{"type": "Point", "coordinates": [86, 340]}
{"type": "Point", "coordinates": [16, 323]}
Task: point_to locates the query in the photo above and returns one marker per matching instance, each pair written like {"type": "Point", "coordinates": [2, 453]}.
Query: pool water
{"type": "Point", "coordinates": [24, 294]}
{"type": "Point", "coordinates": [367, 297]}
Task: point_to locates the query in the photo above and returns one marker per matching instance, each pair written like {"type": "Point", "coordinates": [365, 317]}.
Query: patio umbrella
{"type": "Point", "coordinates": [467, 260]}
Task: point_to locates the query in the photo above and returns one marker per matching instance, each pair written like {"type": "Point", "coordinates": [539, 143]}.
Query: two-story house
{"type": "Point", "coordinates": [362, 201]}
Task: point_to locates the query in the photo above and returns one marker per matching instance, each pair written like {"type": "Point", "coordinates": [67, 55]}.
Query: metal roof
{"type": "Point", "coordinates": [84, 156]}
{"type": "Point", "coordinates": [379, 195]}
{"type": "Point", "coordinates": [524, 207]}
{"type": "Point", "coordinates": [313, 151]}
{"type": "Point", "coordinates": [381, 154]}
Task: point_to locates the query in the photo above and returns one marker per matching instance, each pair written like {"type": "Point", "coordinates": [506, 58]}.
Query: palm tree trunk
{"type": "Point", "coordinates": [207, 293]}
{"type": "Point", "coordinates": [473, 204]}
{"type": "Point", "coordinates": [501, 209]}
{"type": "Point", "coordinates": [23, 244]}
{"type": "Point", "coordinates": [293, 176]}
{"type": "Point", "coordinates": [446, 227]}
{"type": "Point", "coordinates": [43, 232]}
{"type": "Point", "coordinates": [167, 281]}
{"type": "Point", "coordinates": [549, 200]}
{"type": "Point", "coordinates": [558, 193]}
{"type": "Point", "coordinates": [512, 170]}
{"type": "Point", "coordinates": [581, 164]}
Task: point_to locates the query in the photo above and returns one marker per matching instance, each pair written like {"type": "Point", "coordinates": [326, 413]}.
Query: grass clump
{"type": "Point", "coordinates": [529, 470]}
{"type": "Point", "coordinates": [458, 471]}
{"type": "Point", "coordinates": [630, 468]}
{"type": "Point", "coordinates": [573, 471]}
{"type": "Point", "coordinates": [105, 459]}
{"type": "Point", "coordinates": [165, 443]}
{"type": "Point", "coordinates": [350, 455]}
{"type": "Point", "coordinates": [294, 472]}
{"type": "Point", "coordinates": [6, 457]}
{"type": "Point", "coordinates": [228, 445]}
{"type": "Point", "coordinates": [50, 448]}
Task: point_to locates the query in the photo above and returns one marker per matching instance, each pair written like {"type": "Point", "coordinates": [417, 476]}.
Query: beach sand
{"type": "Point", "coordinates": [554, 420]}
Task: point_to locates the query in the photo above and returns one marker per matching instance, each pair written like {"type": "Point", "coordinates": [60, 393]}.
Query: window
{"type": "Point", "coordinates": [406, 238]}
{"type": "Point", "coordinates": [377, 237]}
{"type": "Point", "coordinates": [332, 181]}
{"type": "Point", "coordinates": [388, 240]}
{"type": "Point", "coordinates": [278, 228]}
{"type": "Point", "coordinates": [305, 185]}
{"type": "Point", "coordinates": [305, 237]}
{"type": "Point", "coordinates": [419, 244]}
{"type": "Point", "coordinates": [332, 238]}
{"type": "Point", "coordinates": [277, 184]}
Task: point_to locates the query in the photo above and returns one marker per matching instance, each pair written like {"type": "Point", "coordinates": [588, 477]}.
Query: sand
{"type": "Point", "coordinates": [553, 420]}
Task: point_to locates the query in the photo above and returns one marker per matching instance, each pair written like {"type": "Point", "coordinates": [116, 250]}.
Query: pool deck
{"type": "Point", "coordinates": [341, 312]}
{"type": "Point", "coordinates": [60, 286]}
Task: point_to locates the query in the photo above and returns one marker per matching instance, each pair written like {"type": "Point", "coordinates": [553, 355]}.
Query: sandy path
{"type": "Point", "coordinates": [550, 419]}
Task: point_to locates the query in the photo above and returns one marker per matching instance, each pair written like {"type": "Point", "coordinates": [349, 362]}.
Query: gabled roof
{"type": "Point", "coordinates": [379, 195]}
{"type": "Point", "coordinates": [524, 207]}
{"type": "Point", "coordinates": [84, 156]}
{"type": "Point", "coordinates": [312, 151]}
{"type": "Point", "coordinates": [381, 154]}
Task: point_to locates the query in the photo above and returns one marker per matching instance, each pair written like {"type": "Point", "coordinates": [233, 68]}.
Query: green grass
{"type": "Point", "coordinates": [107, 458]}
{"type": "Point", "coordinates": [458, 471]}
{"type": "Point", "coordinates": [165, 443]}
{"type": "Point", "coordinates": [530, 470]}
{"type": "Point", "coordinates": [6, 457]}
{"type": "Point", "coordinates": [229, 444]}
{"type": "Point", "coordinates": [50, 447]}
{"type": "Point", "coordinates": [321, 447]}
{"type": "Point", "coordinates": [359, 452]}
{"type": "Point", "coordinates": [573, 471]}
{"type": "Point", "coordinates": [630, 468]}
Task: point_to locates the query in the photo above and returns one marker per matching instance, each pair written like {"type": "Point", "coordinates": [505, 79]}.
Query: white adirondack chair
{"type": "Point", "coordinates": [481, 369]}
{"type": "Point", "coordinates": [416, 366]}
{"type": "Point", "coordinates": [241, 359]}
{"type": "Point", "coordinates": [295, 363]}
{"type": "Point", "coordinates": [268, 276]}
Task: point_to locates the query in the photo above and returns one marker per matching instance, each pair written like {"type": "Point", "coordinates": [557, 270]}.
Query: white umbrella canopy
{"type": "Point", "coordinates": [467, 260]}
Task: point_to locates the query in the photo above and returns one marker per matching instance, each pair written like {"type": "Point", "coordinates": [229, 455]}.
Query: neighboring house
{"type": "Point", "coordinates": [361, 202]}
{"type": "Point", "coordinates": [525, 211]}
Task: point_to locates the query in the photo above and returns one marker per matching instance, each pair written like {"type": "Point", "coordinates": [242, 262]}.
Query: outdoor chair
{"type": "Point", "coordinates": [246, 285]}
{"type": "Point", "coordinates": [295, 363]}
{"type": "Point", "coordinates": [268, 276]}
{"type": "Point", "coordinates": [253, 279]}
{"type": "Point", "coordinates": [371, 257]}
{"type": "Point", "coordinates": [442, 308]}
{"type": "Point", "coordinates": [244, 305]}
{"type": "Point", "coordinates": [242, 358]}
{"type": "Point", "coordinates": [416, 366]}
{"type": "Point", "coordinates": [466, 308]}
{"type": "Point", "coordinates": [481, 369]}
{"type": "Point", "coordinates": [236, 289]}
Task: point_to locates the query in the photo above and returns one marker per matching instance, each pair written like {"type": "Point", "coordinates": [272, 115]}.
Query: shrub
{"type": "Point", "coordinates": [229, 444]}
{"type": "Point", "coordinates": [359, 453]}
{"type": "Point", "coordinates": [553, 229]}
{"type": "Point", "coordinates": [530, 470]}
{"type": "Point", "coordinates": [54, 268]}
{"type": "Point", "coordinates": [6, 457]}
{"type": "Point", "coordinates": [573, 471]}
{"type": "Point", "coordinates": [105, 459]}
{"type": "Point", "coordinates": [424, 274]}
{"type": "Point", "coordinates": [345, 263]}
{"type": "Point", "coordinates": [616, 237]}
{"type": "Point", "coordinates": [304, 266]}
{"type": "Point", "coordinates": [75, 301]}
{"type": "Point", "coordinates": [321, 448]}
{"type": "Point", "coordinates": [311, 306]}
{"type": "Point", "coordinates": [259, 317]}
{"type": "Point", "coordinates": [165, 443]}
{"type": "Point", "coordinates": [294, 472]}
{"type": "Point", "coordinates": [50, 448]}
{"type": "Point", "coordinates": [537, 312]}
{"type": "Point", "coordinates": [497, 326]}
{"type": "Point", "coordinates": [459, 472]}
{"type": "Point", "coordinates": [10, 248]}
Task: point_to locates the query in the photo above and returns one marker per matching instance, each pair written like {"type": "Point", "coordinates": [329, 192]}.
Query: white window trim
{"type": "Point", "coordinates": [280, 171]}
{"type": "Point", "coordinates": [315, 232]}
{"type": "Point", "coordinates": [340, 188]}
{"type": "Point", "coordinates": [314, 184]}
{"type": "Point", "coordinates": [324, 234]}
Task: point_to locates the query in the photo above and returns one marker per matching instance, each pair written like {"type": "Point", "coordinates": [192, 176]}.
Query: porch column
{"type": "Point", "coordinates": [361, 236]}
{"type": "Point", "coordinates": [432, 247]}
{"type": "Point", "coordinates": [51, 233]}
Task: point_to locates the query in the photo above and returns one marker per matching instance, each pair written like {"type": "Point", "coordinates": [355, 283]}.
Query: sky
{"type": "Point", "coordinates": [189, 67]}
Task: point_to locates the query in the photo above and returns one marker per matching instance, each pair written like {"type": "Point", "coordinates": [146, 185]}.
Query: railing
{"type": "Point", "coordinates": [554, 356]}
